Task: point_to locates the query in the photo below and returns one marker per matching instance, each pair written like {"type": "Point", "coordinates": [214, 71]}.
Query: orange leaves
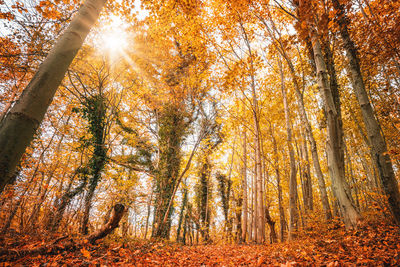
{"type": "Point", "coordinates": [19, 6]}
{"type": "Point", "coordinates": [48, 10]}
{"type": "Point", "coordinates": [7, 15]}
{"type": "Point", "coordinates": [86, 253]}
{"type": "Point", "coordinates": [376, 244]}
{"type": "Point", "coordinates": [333, 264]}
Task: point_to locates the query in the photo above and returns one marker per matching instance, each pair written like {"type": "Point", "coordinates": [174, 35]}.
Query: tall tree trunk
{"type": "Point", "coordinates": [307, 183]}
{"type": "Point", "coordinates": [259, 189]}
{"type": "Point", "coordinates": [204, 197]}
{"type": "Point", "coordinates": [148, 214]}
{"type": "Point", "coordinates": [335, 138]}
{"type": "Point", "coordinates": [314, 154]}
{"type": "Point", "coordinates": [293, 212]}
{"type": "Point", "coordinates": [238, 212]}
{"type": "Point", "coordinates": [271, 223]}
{"type": "Point", "coordinates": [244, 188]}
{"type": "Point", "coordinates": [224, 186]}
{"type": "Point", "coordinates": [20, 124]}
{"type": "Point", "coordinates": [185, 228]}
{"type": "Point", "coordinates": [375, 136]}
{"type": "Point", "coordinates": [181, 214]}
{"type": "Point", "coordinates": [260, 193]}
{"type": "Point", "coordinates": [171, 131]}
{"type": "Point", "coordinates": [303, 115]}
{"type": "Point", "coordinates": [95, 111]}
{"type": "Point", "coordinates": [86, 210]}
{"type": "Point", "coordinates": [254, 205]}
{"type": "Point", "coordinates": [282, 220]}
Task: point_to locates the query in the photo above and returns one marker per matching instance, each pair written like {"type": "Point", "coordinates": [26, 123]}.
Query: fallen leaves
{"type": "Point", "coordinates": [372, 245]}
{"type": "Point", "coordinates": [86, 253]}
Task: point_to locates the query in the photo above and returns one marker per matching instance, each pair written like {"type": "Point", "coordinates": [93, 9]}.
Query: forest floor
{"type": "Point", "coordinates": [371, 245]}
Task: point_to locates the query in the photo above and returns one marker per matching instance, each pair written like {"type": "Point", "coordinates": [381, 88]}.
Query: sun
{"type": "Point", "coordinates": [114, 37]}
{"type": "Point", "coordinates": [115, 41]}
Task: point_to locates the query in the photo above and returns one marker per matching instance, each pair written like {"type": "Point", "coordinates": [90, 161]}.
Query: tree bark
{"type": "Point", "coordinates": [181, 213]}
{"type": "Point", "coordinates": [335, 138]}
{"type": "Point", "coordinates": [282, 220]}
{"type": "Point", "coordinates": [271, 223]}
{"type": "Point", "coordinates": [244, 188]}
{"type": "Point", "coordinates": [259, 189]}
{"type": "Point", "coordinates": [378, 145]}
{"type": "Point", "coordinates": [306, 122]}
{"type": "Point", "coordinates": [307, 183]}
{"type": "Point", "coordinates": [19, 126]}
{"type": "Point", "coordinates": [293, 212]}
{"type": "Point", "coordinates": [61, 204]}
{"type": "Point", "coordinates": [116, 215]}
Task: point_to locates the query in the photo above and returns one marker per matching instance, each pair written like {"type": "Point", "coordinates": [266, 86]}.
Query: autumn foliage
{"type": "Point", "coordinates": [200, 133]}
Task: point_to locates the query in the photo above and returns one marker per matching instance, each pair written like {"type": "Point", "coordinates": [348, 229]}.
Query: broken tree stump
{"type": "Point", "coordinates": [115, 218]}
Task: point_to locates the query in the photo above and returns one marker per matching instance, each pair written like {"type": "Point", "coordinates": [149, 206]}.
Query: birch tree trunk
{"type": "Point", "coordinates": [20, 124]}
{"type": "Point", "coordinates": [377, 142]}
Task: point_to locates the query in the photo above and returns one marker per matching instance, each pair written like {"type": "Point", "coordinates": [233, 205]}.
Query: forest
{"type": "Point", "coordinates": [199, 133]}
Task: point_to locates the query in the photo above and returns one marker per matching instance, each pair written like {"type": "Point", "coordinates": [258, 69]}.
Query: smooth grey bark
{"type": "Point", "coordinates": [335, 138]}
{"type": "Point", "coordinates": [353, 180]}
{"type": "Point", "coordinates": [20, 124]}
{"type": "Point", "coordinates": [377, 142]}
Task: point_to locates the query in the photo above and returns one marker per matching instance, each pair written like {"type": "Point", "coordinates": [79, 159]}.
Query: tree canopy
{"type": "Point", "coordinates": [201, 122]}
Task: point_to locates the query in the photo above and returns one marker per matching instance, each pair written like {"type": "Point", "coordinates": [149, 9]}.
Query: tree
{"type": "Point", "coordinates": [224, 190]}
{"type": "Point", "coordinates": [293, 212]}
{"type": "Point", "coordinates": [18, 127]}
{"type": "Point", "coordinates": [280, 47]}
{"type": "Point", "coordinates": [375, 136]}
{"type": "Point", "coordinates": [172, 129]}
